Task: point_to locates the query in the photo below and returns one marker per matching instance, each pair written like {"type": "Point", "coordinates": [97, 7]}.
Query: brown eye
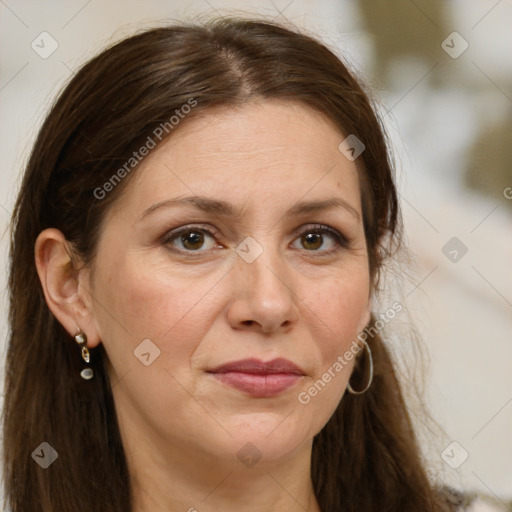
{"type": "Point", "coordinates": [190, 239]}
{"type": "Point", "coordinates": [313, 239]}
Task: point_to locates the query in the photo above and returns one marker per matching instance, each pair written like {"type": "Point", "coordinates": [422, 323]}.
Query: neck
{"type": "Point", "coordinates": [178, 478]}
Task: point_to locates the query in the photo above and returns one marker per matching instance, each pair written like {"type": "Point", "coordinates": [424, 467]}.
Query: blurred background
{"type": "Point", "coordinates": [441, 74]}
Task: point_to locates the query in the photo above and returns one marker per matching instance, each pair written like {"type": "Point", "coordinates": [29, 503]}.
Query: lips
{"type": "Point", "coordinates": [255, 366]}
{"type": "Point", "coordinates": [258, 378]}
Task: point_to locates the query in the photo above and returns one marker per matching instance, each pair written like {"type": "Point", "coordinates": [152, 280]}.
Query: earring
{"type": "Point", "coordinates": [81, 339]}
{"type": "Point", "coordinates": [371, 374]}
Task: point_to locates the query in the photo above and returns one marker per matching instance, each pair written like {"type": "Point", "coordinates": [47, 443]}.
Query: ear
{"type": "Point", "coordinates": [365, 318]}
{"type": "Point", "coordinates": [65, 288]}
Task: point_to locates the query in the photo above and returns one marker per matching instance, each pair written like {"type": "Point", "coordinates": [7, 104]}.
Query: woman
{"type": "Point", "coordinates": [196, 242]}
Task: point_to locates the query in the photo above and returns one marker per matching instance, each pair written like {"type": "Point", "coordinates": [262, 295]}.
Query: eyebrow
{"type": "Point", "coordinates": [225, 209]}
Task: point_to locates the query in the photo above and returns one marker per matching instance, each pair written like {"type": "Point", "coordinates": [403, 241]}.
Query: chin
{"type": "Point", "coordinates": [267, 437]}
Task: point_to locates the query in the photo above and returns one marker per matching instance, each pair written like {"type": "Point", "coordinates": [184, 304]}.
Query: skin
{"type": "Point", "coordinates": [203, 305]}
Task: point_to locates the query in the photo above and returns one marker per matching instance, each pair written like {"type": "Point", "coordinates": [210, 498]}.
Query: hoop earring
{"type": "Point", "coordinates": [350, 389]}
{"type": "Point", "coordinates": [81, 339]}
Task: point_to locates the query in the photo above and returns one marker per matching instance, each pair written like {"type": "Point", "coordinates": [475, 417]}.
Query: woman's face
{"type": "Point", "coordinates": [218, 251]}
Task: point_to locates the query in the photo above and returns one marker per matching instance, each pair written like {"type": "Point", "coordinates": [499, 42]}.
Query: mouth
{"type": "Point", "coordinates": [258, 378]}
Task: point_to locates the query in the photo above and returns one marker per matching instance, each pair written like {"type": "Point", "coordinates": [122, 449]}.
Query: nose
{"type": "Point", "coordinates": [264, 297]}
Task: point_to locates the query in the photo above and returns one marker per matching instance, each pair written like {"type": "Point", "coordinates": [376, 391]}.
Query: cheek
{"type": "Point", "coordinates": [143, 302]}
{"type": "Point", "coordinates": [340, 305]}
{"type": "Point", "coordinates": [338, 312]}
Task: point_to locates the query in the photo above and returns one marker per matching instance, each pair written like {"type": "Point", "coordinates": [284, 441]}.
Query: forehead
{"type": "Point", "coordinates": [259, 127]}
{"type": "Point", "coordinates": [263, 150]}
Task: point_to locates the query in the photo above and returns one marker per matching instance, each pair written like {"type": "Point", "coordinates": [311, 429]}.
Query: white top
{"type": "Point", "coordinates": [480, 505]}
{"type": "Point", "coordinates": [472, 501]}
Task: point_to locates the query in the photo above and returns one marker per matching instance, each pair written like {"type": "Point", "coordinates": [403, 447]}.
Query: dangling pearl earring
{"type": "Point", "coordinates": [81, 339]}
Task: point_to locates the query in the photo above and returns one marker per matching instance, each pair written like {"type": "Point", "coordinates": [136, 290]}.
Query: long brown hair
{"type": "Point", "coordinates": [366, 457]}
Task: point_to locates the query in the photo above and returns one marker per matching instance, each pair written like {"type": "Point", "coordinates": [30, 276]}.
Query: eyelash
{"type": "Point", "coordinates": [341, 241]}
